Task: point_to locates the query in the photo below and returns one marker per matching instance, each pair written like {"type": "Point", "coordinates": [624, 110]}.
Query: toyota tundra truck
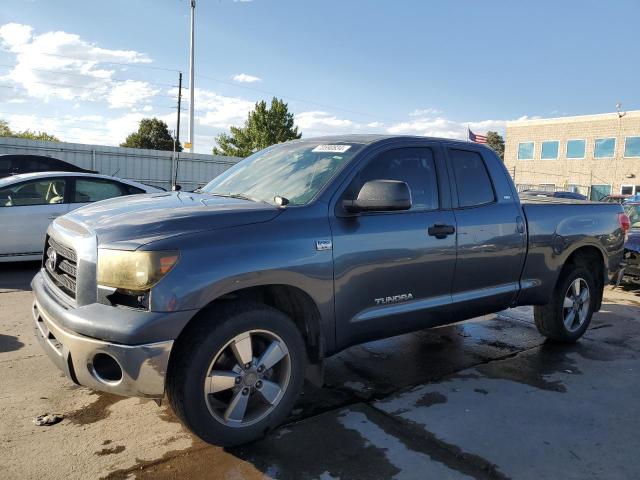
{"type": "Point", "coordinates": [226, 298]}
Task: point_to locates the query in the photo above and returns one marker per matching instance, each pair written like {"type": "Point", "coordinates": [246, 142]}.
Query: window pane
{"type": "Point", "coordinates": [95, 190]}
{"type": "Point", "coordinates": [575, 148]}
{"type": "Point", "coordinates": [628, 190]}
{"type": "Point", "coordinates": [39, 192]}
{"type": "Point", "coordinates": [525, 151]}
{"type": "Point", "coordinates": [605, 147]}
{"type": "Point", "coordinates": [632, 147]}
{"type": "Point", "coordinates": [472, 178]}
{"type": "Point", "coordinates": [550, 150]}
{"type": "Point", "coordinates": [415, 166]}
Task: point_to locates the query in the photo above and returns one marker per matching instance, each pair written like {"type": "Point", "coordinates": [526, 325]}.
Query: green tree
{"type": "Point", "coordinates": [5, 131]}
{"type": "Point", "coordinates": [496, 142]}
{"type": "Point", "coordinates": [152, 134]}
{"type": "Point", "coordinates": [265, 126]}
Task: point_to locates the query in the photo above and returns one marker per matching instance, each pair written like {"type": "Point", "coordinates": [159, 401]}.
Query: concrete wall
{"type": "Point", "coordinates": [612, 172]}
{"type": "Point", "coordinates": [153, 167]}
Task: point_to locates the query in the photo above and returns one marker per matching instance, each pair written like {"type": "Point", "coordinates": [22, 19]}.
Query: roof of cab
{"type": "Point", "coordinates": [374, 138]}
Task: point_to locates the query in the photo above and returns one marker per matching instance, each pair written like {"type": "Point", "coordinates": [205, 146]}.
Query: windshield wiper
{"type": "Point", "coordinates": [240, 196]}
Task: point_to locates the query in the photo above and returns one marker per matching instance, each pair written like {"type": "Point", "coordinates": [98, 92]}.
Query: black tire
{"type": "Point", "coordinates": [197, 348]}
{"type": "Point", "coordinates": [550, 318]}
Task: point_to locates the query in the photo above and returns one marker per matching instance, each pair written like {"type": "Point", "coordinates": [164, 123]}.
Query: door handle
{"type": "Point", "coordinates": [441, 230]}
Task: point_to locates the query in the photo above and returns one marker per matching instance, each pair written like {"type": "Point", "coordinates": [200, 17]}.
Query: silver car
{"type": "Point", "coordinates": [29, 202]}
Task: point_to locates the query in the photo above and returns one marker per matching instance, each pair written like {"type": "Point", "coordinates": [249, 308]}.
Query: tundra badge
{"type": "Point", "coordinates": [405, 297]}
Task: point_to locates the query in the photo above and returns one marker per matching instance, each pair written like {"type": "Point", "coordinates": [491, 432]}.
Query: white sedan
{"type": "Point", "coordinates": [29, 202]}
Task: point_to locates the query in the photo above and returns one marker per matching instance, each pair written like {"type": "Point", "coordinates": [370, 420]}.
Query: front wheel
{"type": "Point", "coordinates": [568, 314]}
{"type": "Point", "coordinates": [237, 373]}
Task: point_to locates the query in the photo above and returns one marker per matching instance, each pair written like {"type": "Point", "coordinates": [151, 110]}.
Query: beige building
{"type": "Point", "coordinates": [591, 154]}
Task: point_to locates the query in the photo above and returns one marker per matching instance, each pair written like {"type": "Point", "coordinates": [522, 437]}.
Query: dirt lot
{"type": "Point", "coordinates": [482, 399]}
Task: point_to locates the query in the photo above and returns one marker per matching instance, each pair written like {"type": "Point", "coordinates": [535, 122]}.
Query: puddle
{"type": "Point", "coordinates": [96, 411]}
{"type": "Point", "coordinates": [431, 398]}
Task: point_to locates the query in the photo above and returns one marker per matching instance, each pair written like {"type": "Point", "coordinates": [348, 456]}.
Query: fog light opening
{"type": "Point", "coordinates": [106, 368]}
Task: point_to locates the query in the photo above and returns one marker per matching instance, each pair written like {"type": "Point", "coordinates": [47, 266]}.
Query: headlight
{"type": "Point", "coordinates": [135, 271]}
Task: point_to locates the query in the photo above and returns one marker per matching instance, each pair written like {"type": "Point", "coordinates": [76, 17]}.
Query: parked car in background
{"type": "Point", "coordinates": [29, 202]}
{"type": "Point", "coordinates": [616, 198]}
{"type": "Point", "coordinates": [16, 164]}
{"type": "Point", "coordinates": [632, 245]}
{"type": "Point", "coordinates": [560, 194]}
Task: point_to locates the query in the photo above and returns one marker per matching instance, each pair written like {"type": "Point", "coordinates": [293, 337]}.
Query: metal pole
{"type": "Point", "coordinates": [191, 83]}
{"type": "Point", "coordinates": [177, 139]}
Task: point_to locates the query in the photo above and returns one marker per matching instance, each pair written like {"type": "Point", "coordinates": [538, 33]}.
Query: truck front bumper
{"type": "Point", "coordinates": [129, 370]}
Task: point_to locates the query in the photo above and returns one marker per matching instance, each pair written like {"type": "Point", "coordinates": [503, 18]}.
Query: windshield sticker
{"type": "Point", "coordinates": [331, 148]}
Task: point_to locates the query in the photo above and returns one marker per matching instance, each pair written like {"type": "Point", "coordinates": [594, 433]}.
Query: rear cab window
{"type": "Point", "coordinates": [472, 178]}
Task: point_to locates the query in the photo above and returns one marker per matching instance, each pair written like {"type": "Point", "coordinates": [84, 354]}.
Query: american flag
{"type": "Point", "coordinates": [474, 137]}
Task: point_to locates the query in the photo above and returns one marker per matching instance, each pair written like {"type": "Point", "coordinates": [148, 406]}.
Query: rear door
{"type": "Point", "coordinates": [490, 233]}
{"type": "Point", "coordinates": [393, 270]}
{"type": "Point", "coordinates": [26, 210]}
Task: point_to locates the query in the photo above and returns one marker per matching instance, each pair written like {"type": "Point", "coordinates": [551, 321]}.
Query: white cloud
{"type": "Point", "coordinates": [245, 78]}
{"type": "Point", "coordinates": [14, 35]}
{"type": "Point", "coordinates": [219, 111]}
{"type": "Point", "coordinates": [443, 127]}
{"type": "Point", "coordinates": [62, 65]}
{"type": "Point", "coordinates": [423, 112]}
{"type": "Point", "coordinates": [316, 123]}
{"type": "Point", "coordinates": [130, 92]}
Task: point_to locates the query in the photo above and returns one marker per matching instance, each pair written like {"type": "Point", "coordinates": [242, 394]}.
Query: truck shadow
{"type": "Point", "coordinates": [17, 275]}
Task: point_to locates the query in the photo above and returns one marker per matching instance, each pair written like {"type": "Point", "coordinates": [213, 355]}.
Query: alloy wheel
{"type": "Point", "coordinates": [247, 378]}
{"type": "Point", "coordinates": [576, 305]}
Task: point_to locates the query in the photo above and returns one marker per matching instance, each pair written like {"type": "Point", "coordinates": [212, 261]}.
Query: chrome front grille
{"type": "Point", "coordinates": [60, 263]}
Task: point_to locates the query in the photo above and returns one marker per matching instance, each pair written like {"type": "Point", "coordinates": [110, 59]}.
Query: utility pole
{"type": "Point", "coordinates": [191, 68]}
{"type": "Point", "coordinates": [177, 137]}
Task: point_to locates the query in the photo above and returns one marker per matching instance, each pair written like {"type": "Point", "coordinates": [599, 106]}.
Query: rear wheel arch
{"type": "Point", "coordinates": [593, 259]}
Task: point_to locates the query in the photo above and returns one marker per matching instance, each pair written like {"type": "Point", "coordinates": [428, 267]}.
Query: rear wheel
{"type": "Point", "coordinates": [568, 314]}
{"type": "Point", "coordinates": [234, 379]}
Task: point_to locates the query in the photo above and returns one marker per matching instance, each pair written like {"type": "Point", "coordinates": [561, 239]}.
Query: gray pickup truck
{"type": "Point", "coordinates": [227, 298]}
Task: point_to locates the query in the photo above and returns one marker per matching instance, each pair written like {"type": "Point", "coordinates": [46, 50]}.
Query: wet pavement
{"type": "Point", "coordinates": [487, 398]}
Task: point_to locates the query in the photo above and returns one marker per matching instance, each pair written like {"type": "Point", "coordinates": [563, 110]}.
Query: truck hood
{"type": "Point", "coordinates": [136, 220]}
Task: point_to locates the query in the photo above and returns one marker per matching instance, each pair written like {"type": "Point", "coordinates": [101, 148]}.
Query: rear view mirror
{"type": "Point", "coordinates": [381, 196]}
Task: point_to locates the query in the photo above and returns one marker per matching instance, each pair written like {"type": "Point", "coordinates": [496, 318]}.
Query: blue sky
{"type": "Point", "coordinates": [88, 71]}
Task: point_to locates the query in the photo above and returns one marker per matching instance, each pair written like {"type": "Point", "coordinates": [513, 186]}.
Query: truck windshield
{"type": "Point", "coordinates": [295, 171]}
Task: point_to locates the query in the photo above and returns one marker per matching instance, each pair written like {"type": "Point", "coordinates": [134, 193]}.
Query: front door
{"type": "Point", "coordinates": [26, 210]}
{"type": "Point", "coordinates": [393, 270]}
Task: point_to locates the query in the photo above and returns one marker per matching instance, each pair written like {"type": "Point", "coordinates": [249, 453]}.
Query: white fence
{"type": "Point", "coordinates": [153, 167]}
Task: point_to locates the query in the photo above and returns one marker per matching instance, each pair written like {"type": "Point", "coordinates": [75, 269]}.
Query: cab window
{"type": "Point", "coordinates": [415, 166]}
{"type": "Point", "coordinates": [36, 192]}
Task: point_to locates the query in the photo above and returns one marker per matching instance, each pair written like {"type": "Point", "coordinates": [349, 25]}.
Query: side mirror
{"type": "Point", "coordinates": [380, 196]}
{"type": "Point", "coordinates": [176, 188]}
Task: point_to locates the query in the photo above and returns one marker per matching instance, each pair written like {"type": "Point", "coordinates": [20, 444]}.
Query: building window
{"type": "Point", "coordinates": [630, 189]}
{"type": "Point", "coordinates": [525, 151]}
{"type": "Point", "coordinates": [550, 150]}
{"type": "Point", "coordinates": [575, 148]}
{"type": "Point", "coordinates": [632, 147]}
{"type": "Point", "coordinates": [605, 148]}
